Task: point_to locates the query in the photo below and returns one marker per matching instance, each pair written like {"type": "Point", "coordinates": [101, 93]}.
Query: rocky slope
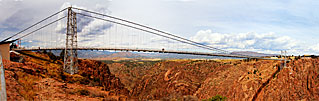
{"type": "Point", "coordinates": [180, 78]}
{"type": "Point", "coordinates": [299, 82]}
{"type": "Point", "coordinates": [236, 80]}
{"type": "Point", "coordinates": [239, 81]}
{"type": "Point", "coordinates": [39, 77]}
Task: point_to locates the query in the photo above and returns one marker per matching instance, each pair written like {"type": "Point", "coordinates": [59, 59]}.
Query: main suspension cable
{"type": "Point", "coordinates": [42, 27]}
{"type": "Point", "coordinates": [34, 25]}
{"type": "Point", "coordinates": [146, 31]}
{"type": "Point", "coordinates": [224, 51]}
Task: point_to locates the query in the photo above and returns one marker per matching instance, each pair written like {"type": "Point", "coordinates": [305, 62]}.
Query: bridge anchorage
{"type": "Point", "coordinates": [70, 52]}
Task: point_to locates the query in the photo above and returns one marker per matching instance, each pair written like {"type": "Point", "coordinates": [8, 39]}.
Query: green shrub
{"type": "Point", "coordinates": [216, 98]}
{"type": "Point", "coordinates": [255, 71]}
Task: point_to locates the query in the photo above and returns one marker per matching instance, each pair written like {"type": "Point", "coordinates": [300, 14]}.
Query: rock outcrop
{"type": "Point", "coordinates": [39, 77]}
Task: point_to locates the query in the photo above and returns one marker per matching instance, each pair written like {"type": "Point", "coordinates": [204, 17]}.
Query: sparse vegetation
{"type": "Point", "coordinates": [26, 81]}
{"type": "Point", "coordinates": [41, 76]}
{"type": "Point", "coordinates": [216, 98]}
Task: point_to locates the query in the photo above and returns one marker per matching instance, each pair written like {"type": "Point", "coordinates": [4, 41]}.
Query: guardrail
{"type": "Point", "coordinates": [3, 95]}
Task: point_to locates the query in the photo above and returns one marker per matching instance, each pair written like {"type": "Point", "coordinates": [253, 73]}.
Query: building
{"type": "Point", "coordinates": [5, 49]}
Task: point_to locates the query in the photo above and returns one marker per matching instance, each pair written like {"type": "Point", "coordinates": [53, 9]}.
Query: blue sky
{"type": "Point", "coordinates": [229, 24]}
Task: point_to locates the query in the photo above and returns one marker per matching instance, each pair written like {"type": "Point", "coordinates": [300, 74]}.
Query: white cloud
{"type": "Point", "coordinates": [314, 48]}
{"type": "Point", "coordinates": [186, 0]}
{"type": "Point", "coordinates": [184, 19]}
{"type": "Point", "coordinates": [54, 35]}
{"type": "Point", "coordinates": [267, 42]}
{"type": "Point", "coordinates": [181, 0]}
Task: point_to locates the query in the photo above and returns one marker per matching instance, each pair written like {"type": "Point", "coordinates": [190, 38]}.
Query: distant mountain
{"type": "Point", "coordinates": [176, 56]}
{"type": "Point", "coordinates": [250, 53]}
{"type": "Point", "coordinates": [124, 55]}
{"type": "Point", "coordinates": [86, 54]}
{"type": "Point", "coordinates": [137, 55]}
{"type": "Point", "coordinates": [93, 54]}
{"type": "Point", "coordinates": [107, 55]}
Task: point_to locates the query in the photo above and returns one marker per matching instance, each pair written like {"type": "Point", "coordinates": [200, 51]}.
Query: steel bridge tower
{"type": "Point", "coordinates": [70, 52]}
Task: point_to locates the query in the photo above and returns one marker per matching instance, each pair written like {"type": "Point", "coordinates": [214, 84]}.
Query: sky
{"type": "Point", "coordinates": [267, 26]}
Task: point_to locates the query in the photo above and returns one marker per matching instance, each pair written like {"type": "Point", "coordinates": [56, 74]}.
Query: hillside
{"type": "Point", "coordinates": [119, 56]}
{"type": "Point", "coordinates": [38, 76]}
{"type": "Point", "coordinates": [250, 53]}
{"type": "Point", "coordinates": [233, 79]}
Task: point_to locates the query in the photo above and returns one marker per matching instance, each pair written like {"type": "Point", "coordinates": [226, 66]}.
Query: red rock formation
{"type": "Point", "coordinates": [100, 72]}
{"type": "Point", "coordinates": [299, 82]}
{"type": "Point", "coordinates": [237, 82]}
{"type": "Point", "coordinates": [172, 79]}
{"type": "Point", "coordinates": [40, 78]}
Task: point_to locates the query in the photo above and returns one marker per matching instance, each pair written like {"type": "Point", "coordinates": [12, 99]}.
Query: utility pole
{"type": "Point", "coordinates": [3, 95]}
{"type": "Point", "coordinates": [285, 53]}
{"type": "Point", "coordinates": [19, 43]}
{"type": "Point", "coordinates": [281, 57]}
{"type": "Point", "coordinates": [70, 53]}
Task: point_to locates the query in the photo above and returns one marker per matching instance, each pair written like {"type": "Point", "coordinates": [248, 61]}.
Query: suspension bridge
{"type": "Point", "coordinates": [72, 29]}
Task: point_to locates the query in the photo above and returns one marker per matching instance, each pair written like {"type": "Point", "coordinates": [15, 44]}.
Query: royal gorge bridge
{"type": "Point", "coordinates": [73, 29]}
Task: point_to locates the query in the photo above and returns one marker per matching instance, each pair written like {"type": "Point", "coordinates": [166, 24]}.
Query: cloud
{"type": "Point", "coordinates": [282, 18]}
{"type": "Point", "coordinates": [17, 15]}
{"type": "Point", "coordinates": [81, 21]}
{"type": "Point", "coordinates": [86, 26]}
{"type": "Point", "coordinates": [181, 0]}
{"type": "Point", "coordinates": [15, 21]}
{"type": "Point", "coordinates": [9, 7]}
{"type": "Point", "coordinates": [10, 19]}
{"type": "Point", "coordinates": [54, 35]}
{"type": "Point", "coordinates": [185, 0]}
{"type": "Point", "coordinates": [267, 42]}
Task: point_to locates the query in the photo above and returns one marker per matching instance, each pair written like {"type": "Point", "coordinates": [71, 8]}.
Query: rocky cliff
{"type": "Point", "coordinates": [39, 77]}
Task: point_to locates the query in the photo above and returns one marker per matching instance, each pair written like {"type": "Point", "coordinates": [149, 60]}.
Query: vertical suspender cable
{"type": "Point", "coordinates": [166, 33]}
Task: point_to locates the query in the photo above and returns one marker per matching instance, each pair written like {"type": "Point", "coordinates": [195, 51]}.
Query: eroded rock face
{"type": "Point", "coordinates": [99, 72]}
{"type": "Point", "coordinates": [40, 78]}
{"type": "Point", "coordinates": [299, 82]}
{"type": "Point", "coordinates": [169, 79]}
{"type": "Point", "coordinates": [163, 80]}
{"type": "Point", "coordinates": [237, 82]}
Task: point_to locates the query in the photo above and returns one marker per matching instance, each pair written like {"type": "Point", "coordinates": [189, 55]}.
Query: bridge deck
{"type": "Point", "coordinates": [152, 50]}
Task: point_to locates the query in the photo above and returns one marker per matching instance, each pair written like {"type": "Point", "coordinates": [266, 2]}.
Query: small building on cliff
{"type": "Point", "coordinates": [5, 49]}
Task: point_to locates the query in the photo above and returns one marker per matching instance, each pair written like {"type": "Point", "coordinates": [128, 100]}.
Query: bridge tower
{"type": "Point", "coordinates": [70, 52]}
